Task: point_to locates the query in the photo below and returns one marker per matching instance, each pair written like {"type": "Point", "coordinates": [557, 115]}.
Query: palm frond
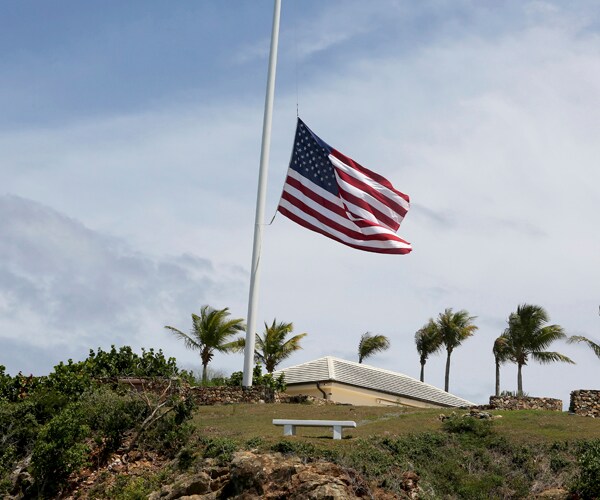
{"type": "Point", "coordinates": [238, 345]}
{"type": "Point", "coordinates": [428, 340]}
{"type": "Point", "coordinates": [370, 344]}
{"type": "Point", "coordinates": [502, 349]}
{"type": "Point", "coordinates": [590, 343]}
{"type": "Point", "coordinates": [455, 327]}
{"type": "Point", "coordinates": [271, 348]}
{"type": "Point", "coordinates": [546, 357]}
{"type": "Point", "coordinates": [189, 342]}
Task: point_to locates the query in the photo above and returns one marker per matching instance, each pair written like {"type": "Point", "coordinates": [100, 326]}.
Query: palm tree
{"type": "Point", "coordinates": [272, 348]}
{"type": "Point", "coordinates": [528, 335]}
{"type": "Point", "coordinates": [501, 352]}
{"type": "Point", "coordinates": [210, 332]}
{"type": "Point", "coordinates": [591, 344]}
{"type": "Point", "coordinates": [428, 342]}
{"type": "Point", "coordinates": [454, 328]}
{"type": "Point", "coordinates": [370, 344]}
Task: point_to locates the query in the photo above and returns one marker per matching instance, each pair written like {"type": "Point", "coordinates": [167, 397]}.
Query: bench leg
{"type": "Point", "coordinates": [337, 432]}
{"type": "Point", "coordinates": [289, 430]}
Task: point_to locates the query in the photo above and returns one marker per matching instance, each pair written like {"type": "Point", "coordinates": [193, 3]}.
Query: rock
{"type": "Point", "coordinates": [272, 476]}
{"type": "Point", "coordinates": [184, 486]}
{"type": "Point", "coordinates": [524, 403]}
{"type": "Point", "coordinates": [585, 403]}
{"type": "Point", "coordinates": [554, 494]}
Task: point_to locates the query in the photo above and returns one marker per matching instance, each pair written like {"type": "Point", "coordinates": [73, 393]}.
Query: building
{"type": "Point", "coordinates": [359, 384]}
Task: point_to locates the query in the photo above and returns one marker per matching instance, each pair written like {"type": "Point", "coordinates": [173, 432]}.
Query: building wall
{"type": "Point", "coordinates": [342, 393]}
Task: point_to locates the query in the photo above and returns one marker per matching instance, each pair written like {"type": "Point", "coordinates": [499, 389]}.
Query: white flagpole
{"type": "Point", "coordinates": [260, 202]}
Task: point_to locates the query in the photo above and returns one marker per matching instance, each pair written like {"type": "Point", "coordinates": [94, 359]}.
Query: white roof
{"type": "Point", "coordinates": [368, 377]}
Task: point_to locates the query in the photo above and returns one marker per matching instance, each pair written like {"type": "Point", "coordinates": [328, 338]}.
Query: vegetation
{"type": "Point", "coordinates": [428, 342]}
{"type": "Point", "coordinates": [79, 414]}
{"type": "Point", "coordinates": [516, 456]}
{"type": "Point", "coordinates": [272, 347]}
{"type": "Point", "coordinates": [454, 328]}
{"type": "Point", "coordinates": [370, 344]}
{"type": "Point", "coordinates": [53, 430]}
{"type": "Point", "coordinates": [211, 332]}
{"type": "Point", "coordinates": [258, 379]}
{"type": "Point", "coordinates": [590, 343]}
{"type": "Point", "coordinates": [501, 355]}
{"type": "Point", "coordinates": [528, 336]}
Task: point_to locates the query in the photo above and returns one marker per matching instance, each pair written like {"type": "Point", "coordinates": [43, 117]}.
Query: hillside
{"type": "Point", "coordinates": [85, 432]}
{"type": "Point", "coordinates": [514, 455]}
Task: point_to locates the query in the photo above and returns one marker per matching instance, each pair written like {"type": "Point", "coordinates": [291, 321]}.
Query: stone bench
{"type": "Point", "coordinates": [289, 426]}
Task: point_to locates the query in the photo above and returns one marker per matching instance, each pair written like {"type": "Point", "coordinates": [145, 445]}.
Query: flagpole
{"type": "Point", "coordinates": [260, 202]}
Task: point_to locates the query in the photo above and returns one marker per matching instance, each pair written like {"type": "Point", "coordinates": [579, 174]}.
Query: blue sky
{"type": "Point", "coordinates": [129, 148]}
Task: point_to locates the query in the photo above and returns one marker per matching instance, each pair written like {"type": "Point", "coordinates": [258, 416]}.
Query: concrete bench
{"type": "Point", "coordinates": [289, 426]}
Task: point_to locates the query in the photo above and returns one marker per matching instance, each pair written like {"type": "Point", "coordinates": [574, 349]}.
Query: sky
{"type": "Point", "coordinates": [130, 140]}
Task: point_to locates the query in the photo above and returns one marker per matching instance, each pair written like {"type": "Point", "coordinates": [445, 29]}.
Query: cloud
{"type": "Point", "coordinates": [484, 114]}
{"type": "Point", "coordinates": [64, 286]}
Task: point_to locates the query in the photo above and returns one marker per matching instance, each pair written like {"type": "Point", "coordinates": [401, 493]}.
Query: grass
{"type": "Point", "coordinates": [247, 421]}
{"type": "Point", "coordinates": [516, 456]}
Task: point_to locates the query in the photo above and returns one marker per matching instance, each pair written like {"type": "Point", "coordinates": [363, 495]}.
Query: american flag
{"type": "Point", "coordinates": [327, 192]}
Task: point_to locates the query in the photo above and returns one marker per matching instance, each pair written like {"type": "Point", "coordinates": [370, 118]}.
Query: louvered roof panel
{"type": "Point", "coordinates": [368, 377]}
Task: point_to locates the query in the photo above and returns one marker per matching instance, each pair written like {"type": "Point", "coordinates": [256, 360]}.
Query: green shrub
{"type": "Point", "coordinates": [185, 458]}
{"type": "Point", "coordinates": [111, 415]}
{"type": "Point", "coordinates": [13, 389]}
{"type": "Point", "coordinates": [266, 380]}
{"type": "Point", "coordinates": [220, 448]}
{"type": "Point", "coordinates": [587, 482]}
{"type": "Point", "coordinates": [59, 450]}
{"type": "Point", "coordinates": [299, 448]}
{"type": "Point", "coordinates": [467, 425]}
{"type": "Point", "coordinates": [18, 431]}
{"type": "Point", "coordinates": [131, 488]}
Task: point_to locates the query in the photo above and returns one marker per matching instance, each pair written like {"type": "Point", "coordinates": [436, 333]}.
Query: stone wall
{"type": "Point", "coordinates": [524, 403]}
{"type": "Point", "coordinates": [585, 402]}
{"type": "Point", "coordinates": [228, 395]}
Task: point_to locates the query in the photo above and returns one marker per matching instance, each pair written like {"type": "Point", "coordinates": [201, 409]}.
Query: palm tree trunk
{"type": "Point", "coordinates": [447, 379]}
{"type": "Point", "coordinates": [519, 380]}
{"type": "Point", "coordinates": [204, 373]}
{"type": "Point", "coordinates": [497, 379]}
{"type": "Point", "coordinates": [422, 372]}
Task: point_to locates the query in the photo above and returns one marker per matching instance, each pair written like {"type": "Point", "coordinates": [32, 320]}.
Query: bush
{"type": "Point", "coordinates": [111, 415]}
{"type": "Point", "coordinates": [467, 425]}
{"type": "Point", "coordinates": [220, 448]}
{"type": "Point", "coordinates": [13, 389]}
{"type": "Point", "coordinates": [299, 448]}
{"type": "Point", "coordinates": [266, 380]}
{"type": "Point", "coordinates": [59, 450]}
{"type": "Point", "coordinates": [587, 483]}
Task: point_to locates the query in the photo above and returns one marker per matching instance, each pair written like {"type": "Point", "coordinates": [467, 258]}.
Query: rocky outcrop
{"type": "Point", "coordinates": [273, 476]}
{"type": "Point", "coordinates": [585, 402]}
{"type": "Point", "coordinates": [524, 403]}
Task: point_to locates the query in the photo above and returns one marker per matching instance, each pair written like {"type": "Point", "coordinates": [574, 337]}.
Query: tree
{"type": "Point", "coordinates": [454, 328]}
{"type": "Point", "coordinates": [591, 344]}
{"type": "Point", "coordinates": [501, 352]}
{"type": "Point", "coordinates": [428, 342]}
{"type": "Point", "coordinates": [528, 336]}
{"type": "Point", "coordinates": [370, 344]}
{"type": "Point", "coordinates": [210, 332]}
{"type": "Point", "coordinates": [271, 348]}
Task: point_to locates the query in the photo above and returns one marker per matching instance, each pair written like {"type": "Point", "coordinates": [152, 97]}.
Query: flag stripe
{"type": "Point", "coordinates": [386, 197]}
{"type": "Point", "coordinates": [329, 193]}
{"type": "Point", "coordinates": [330, 214]}
{"type": "Point", "coordinates": [387, 245]}
{"type": "Point", "coordinates": [368, 173]}
{"type": "Point", "coordinates": [366, 206]}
